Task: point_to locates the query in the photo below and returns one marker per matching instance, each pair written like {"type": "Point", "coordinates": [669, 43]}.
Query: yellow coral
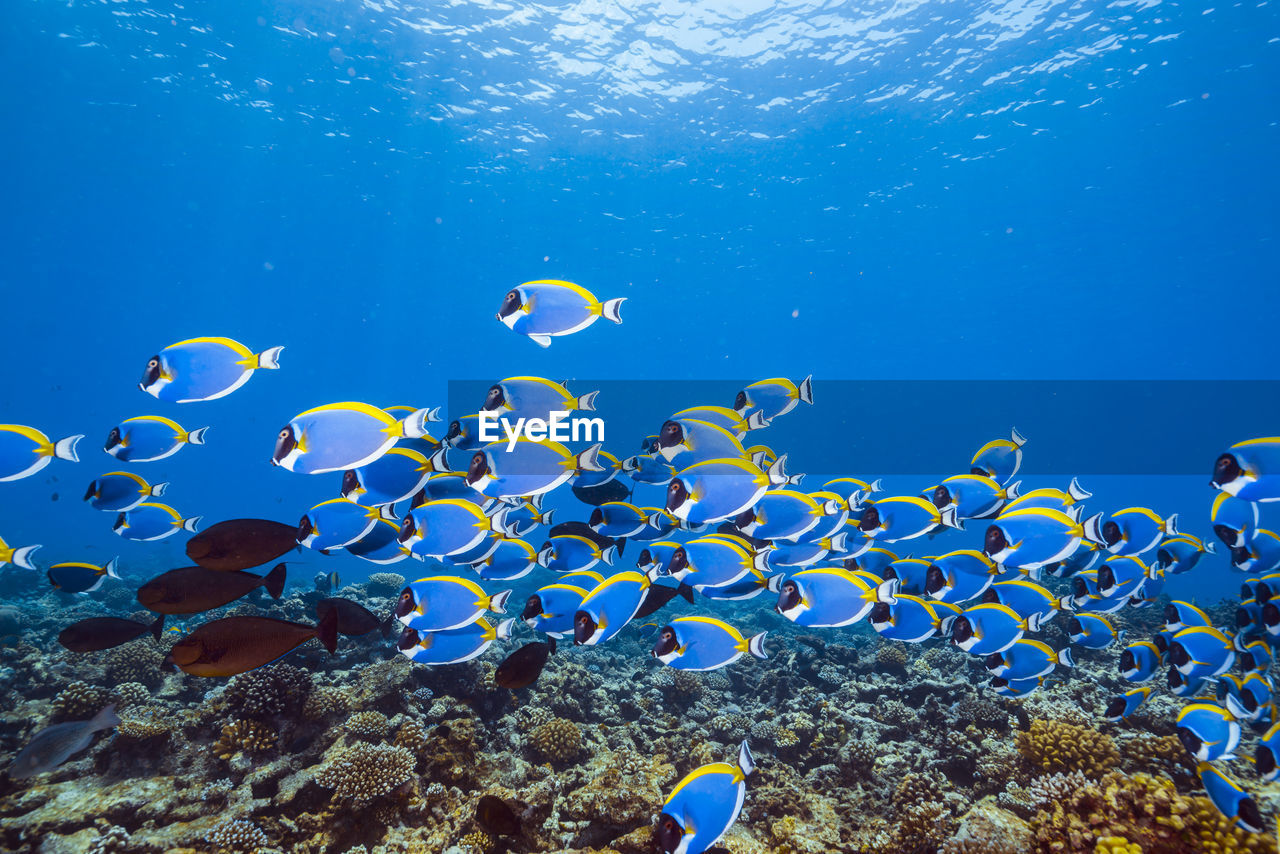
{"type": "Point", "coordinates": [1050, 746]}
{"type": "Point", "coordinates": [244, 736]}
{"type": "Point", "coordinates": [558, 740]}
{"type": "Point", "coordinates": [1116, 845]}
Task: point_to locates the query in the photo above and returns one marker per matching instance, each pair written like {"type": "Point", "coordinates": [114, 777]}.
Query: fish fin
{"type": "Point", "coordinates": [190, 523]}
{"type": "Point", "coordinates": [22, 557]}
{"type": "Point", "coordinates": [1018, 439]}
{"type": "Point", "coordinates": [1121, 635]}
{"type": "Point", "coordinates": [269, 358]}
{"type": "Point", "coordinates": [758, 459]}
{"type": "Point", "coordinates": [587, 402]}
{"type": "Point", "coordinates": [1078, 492]}
{"type": "Point", "coordinates": [887, 591]}
{"type": "Point", "coordinates": [196, 437]}
{"type": "Point", "coordinates": [1067, 603]}
{"type": "Point", "coordinates": [1093, 529]}
{"type": "Point", "coordinates": [1236, 709]}
{"type": "Point", "coordinates": [157, 628]}
{"type": "Point", "coordinates": [498, 602]}
{"type": "Point", "coordinates": [944, 625]}
{"type": "Point", "coordinates": [831, 507]}
{"type": "Point", "coordinates": [414, 425]}
{"type": "Point", "coordinates": [839, 542]}
{"type": "Point", "coordinates": [546, 519]}
{"type": "Point", "coordinates": [746, 762]}
{"type": "Point", "coordinates": [327, 630]}
{"type": "Point", "coordinates": [589, 460]}
{"type": "Point", "coordinates": [611, 309]}
{"type": "Point", "coordinates": [106, 718]}
{"type": "Point", "coordinates": [503, 629]}
{"type": "Point", "coordinates": [609, 555]}
{"type": "Point", "coordinates": [543, 557]}
{"type": "Point", "coordinates": [541, 340]}
{"type": "Point", "coordinates": [755, 645]}
{"type": "Point", "coordinates": [685, 591]}
{"type": "Point", "coordinates": [1013, 491]}
{"type": "Point", "coordinates": [536, 501]}
{"type": "Point", "coordinates": [1211, 547]}
{"type": "Point", "coordinates": [1065, 658]}
{"type": "Point", "coordinates": [756, 420]}
{"type": "Point", "coordinates": [760, 560]}
{"type": "Point", "coordinates": [949, 518]}
{"type": "Point", "coordinates": [805, 389]}
{"type": "Point", "coordinates": [274, 581]}
{"type": "Point", "coordinates": [774, 584]}
{"type": "Point", "coordinates": [110, 568]}
{"type": "Point", "coordinates": [158, 489]}
{"type": "Point", "coordinates": [778, 471]}
{"type": "Point", "coordinates": [1170, 526]}
{"type": "Point", "coordinates": [65, 449]}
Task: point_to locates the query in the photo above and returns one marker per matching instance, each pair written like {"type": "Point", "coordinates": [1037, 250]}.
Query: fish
{"type": "Point", "coordinates": [1258, 554]}
{"type": "Point", "coordinates": [53, 745]}
{"type": "Point", "coordinates": [1032, 538]}
{"type": "Point", "coordinates": [1179, 615]}
{"type": "Point", "coordinates": [148, 438]}
{"type": "Point", "coordinates": [1122, 576]}
{"type": "Point", "coordinates": [381, 545]}
{"type": "Point", "coordinates": [704, 643]}
{"type": "Point", "coordinates": [523, 667]}
{"type": "Point", "coordinates": [1254, 700]}
{"type": "Point", "coordinates": [19, 556]}
{"type": "Point", "coordinates": [608, 607]}
{"type": "Point", "coordinates": [511, 560]}
{"type": "Point", "coordinates": [1267, 752]}
{"type": "Point", "coordinates": [550, 308]}
{"type": "Point", "coordinates": [334, 524]}
{"type": "Point", "coordinates": [528, 468]}
{"type": "Point", "coordinates": [1092, 632]}
{"type": "Point", "coordinates": [99, 633]}
{"type": "Point", "coordinates": [828, 596]}
{"type": "Point", "coordinates": [571, 553]}
{"type": "Point", "coordinates": [712, 561]}
{"type": "Point", "coordinates": [1180, 554]}
{"type": "Point", "coordinates": [1249, 470]}
{"type": "Point", "coordinates": [991, 627]}
{"type": "Point", "coordinates": [452, 646]}
{"type": "Point", "coordinates": [1054, 499]}
{"type": "Point", "coordinates": [1018, 687]}
{"type": "Point", "coordinates": [391, 478]}
{"type": "Point", "coordinates": [786, 514]}
{"type": "Point", "coordinates": [715, 490]}
{"type": "Point", "coordinates": [687, 441]}
{"type": "Point", "coordinates": [236, 544]}
{"type": "Point", "coordinates": [781, 558]}
{"type": "Point", "coordinates": [117, 491]}
{"type": "Point", "coordinates": [959, 576]}
{"type": "Point", "coordinates": [25, 451]}
{"type": "Point", "coordinates": [904, 517]}
{"type": "Point", "coordinates": [1201, 651]}
{"type": "Point", "coordinates": [534, 397]}
{"type": "Point", "coordinates": [443, 602]}
{"type": "Point", "coordinates": [1127, 703]}
{"type": "Point", "coordinates": [1233, 519]}
{"type": "Point", "coordinates": [1235, 804]}
{"type": "Point", "coordinates": [522, 519]}
{"type": "Point", "coordinates": [82, 577]}
{"type": "Point", "coordinates": [648, 468]}
{"type": "Point", "coordinates": [974, 496]}
{"type": "Point", "coordinates": [234, 645]}
{"type": "Point", "coordinates": [203, 369]}
{"type": "Point", "coordinates": [1256, 657]}
{"type": "Point", "coordinates": [496, 818]}
{"type": "Point", "coordinates": [659, 595]}
{"type": "Point", "coordinates": [612, 490]}
{"type": "Point", "coordinates": [1140, 661]}
{"type": "Point", "coordinates": [341, 436]}
{"type": "Point", "coordinates": [148, 522]}
{"type": "Point", "coordinates": [1208, 732]}
{"type": "Point", "coordinates": [443, 527]}
{"type": "Point", "coordinates": [999, 459]}
{"type": "Point", "coordinates": [911, 619]}
{"type": "Point", "coordinates": [1131, 531]}
{"type": "Point", "coordinates": [551, 607]}
{"type": "Point", "coordinates": [772, 398]}
{"type": "Point", "coordinates": [704, 805]}
{"type": "Point", "coordinates": [617, 519]}
{"type": "Point", "coordinates": [354, 619]}
{"type": "Point", "coordinates": [1026, 598]}
{"type": "Point", "coordinates": [1027, 659]}
{"type": "Point", "coordinates": [1180, 686]}
{"type": "Point", "coordinates": [194, 589]}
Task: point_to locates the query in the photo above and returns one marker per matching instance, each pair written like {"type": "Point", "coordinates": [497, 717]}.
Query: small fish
{"type": "Point", "coordinates": [570, 553]}
{"type": "Point", "coordinates": [959, 576]}
{"type": "Point", "coordinates": [1179, 615]}
{"type": "Point", "coordinates": [613, 490]}
{"type": "Point", "coordinates": [991, 627]}
{"type": "Point", "coordinates": [1092, 632]}
{"type": "Point", "coordinates": [1249, 470]}
{"type": "Point", "coordinates": [658, 597]}
{"type": "Point", "coordinates": [904, 517]}
{"type": "Point", "coordinates": [511, 560]}
{"type": "Point", "coordinates": [911, 619]}
{"type": "Point", "coordinates": [496, 818]}
{"type": "Point", "coordinates": [1237, 805]}
{"type": "Point", "coordinates": [118, 491]}
{"type": "Point", "coordinates": [523, 667]}
{"type": "Point", "coordinates": [381, 545]}
{"type": "Point", "coordinates": [704, 643]}
{"type": "Point", "coordinates": [1027, 659]}
{"type": "Point", "coordinates": [235, 645]}
{"type": "Point", "coordinates": [1253, 701]}
{"type": "Point", "coordinates": [53, 745]}
{"type": "Point", "coordinates": [1256, 657]}
{"type": "Point", "coordinates": [82, 577]}
{"type": "Point", "coordinates": [974, 496]}
{"type": "Point", "coordinates": [340, 436]}
{"type": "Point", "coordinates": [828, 596]}
{"type": "Point", "coordinates": [617, 519]}
{"type": "Point", "coordinates": [704, 805]}
{"type": "Point", "coordinates": [148, 438]}
{"type": "Point", "coordinates": [713, 561]}
{"type": "Point", "coordinates": [1140, 661]}
{"type": "Point", "coordinates": [687, 441]}
{"type": "Point", "coordinates": [1266, 754]}
{"type": "Point", "coordinates": [1054, 499]}
{"type": "Point", "coordinates": [1180, 554]}
{"type": "Point", "coordinates": [999, 459]}
{"type": "Point", "coordinates": [452, 646]}
{"type": "Point", "coordinates": [528, 468]}
{"type": "Point", "coordinates": [203, 369]}
{"type": "Point", "coordinates": [1127, 703]}
{"type": "Point", "coordinates": [1032, 538]}
{"type": "Point", "coordinates": [522, 519]}
{"type": "Point", "coordinates": [194, 589]}
{"type": "Point", "coordinates": [148, 522]}
{"type": "Point", "coordinates": [1018, 687]}
{"type": "Point", "coordinates": [787, 514]}
{"type": "Point", "coordinates": [608, 607]}
{"type": "Point", "coordinates": [20, 556]}
{"type": "Point", "coordinates": [549, 308]}
{"type": "Point", "coordinates": [334, 524]}
{"type": "Point", "coordinates": [391, 478]}
{"type": "Point", "coordinates": [771, 398]}
{"type": "Point", "coordinates": [1026, 598]}
{"type": "Point", "coordinates": [445, 602]}
{"type": "Point", "coordinates": [648, 468]}
{"type": "Point", "coordinates": [518, 398]}
{"type": "Point", "coordinates": [1258, 554]}
{"type": "Point", "coordinates": [25, 451]}
{"type": "Point", "coordinates": [443, 527]}
{"type": "Point", "coordinates": [551, 607]}
{"type": "Point", "coordinates": [99, 633]}
{"type": "Point", "coordinates": [1131, 531]}
{"type": "Point", "coordinates": [241, 544]}
{"type": "Point", "coordinates": [1208, 732]}
{"type": "Point", "coordinates": [353, 618]}
{"type": "Point", "coordinates": [1234, 520]}
{"type": "Point", "coordinates": [715, 490]}
{"type": "Point", "coordinates": [1201, 651]}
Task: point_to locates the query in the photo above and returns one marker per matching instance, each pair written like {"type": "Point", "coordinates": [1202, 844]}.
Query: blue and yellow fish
{"type": "Point", "coordinates": [340, 436]}
{"type": "Point", "coordinates": [999, 459]}
{"type": "Point", "coordinates": [1032, 538]}
{"type": "Point", "coordinates": [1131, 531]}
{"type": "Point", "coordinates": [551, 608]}
{"type": "Point", "coordinates": [828, 596]}
{"type": "Point", "coordinates": [704, 805]}
{"type": "Point", "coordinates": [117, 491]}
{"type": "Point", "coordinates": [1249, 470]}
{"type": "Point", "coordinates": [1092, 631]}
{"type": "Point", "coordinates": [1027, 659]}
{"type": "Point", "coordinates": [911, 619]}
{"type": "Point", "coordinates": [771, 398]}
{"type": "Point", "coordinates": [148, 522]}
{"type": "Point", "coordinates": [148, 438]}
{"type": "Point", "coordinates": [203, 369]}
{"type": "Point", "coordinates": [903, 517]}
{"type": "Point", "coordinates": [1208, 731]}
{"type": "Point", "coordinates": [549, 308]}
{"type": "Point", "coordinates": [990, 627]}
{"type": "Point", "coordinates": [608, 607]}
{"type": "Point", "coordinates": [334, 524]}
{"type": "Point", "coordinates": [1237, 805]}
{"type": "Point", "coordinates": [704, 643]}
{"type": "Point", "coordinates": [443, 527]}
{"type": "Point", "coordinates": [1140, 661]}
{"type": "Point", "coordinates": [20, 556]}
{"type": "Point", "coordinates": [1127, 703]}
{"type": "Point", "coordinates": [715, 490]}
{"type": "Point", "coordinates": [443, 602]}
{"type": "Point", "coordinates": [452, 646]}
{"type": "Point", "coordinates": [25, 451]}
{"type": "Point", "coordinates": [82, 577]}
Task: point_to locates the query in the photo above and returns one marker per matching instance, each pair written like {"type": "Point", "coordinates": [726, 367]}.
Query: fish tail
{"type": "Point", "coordinates": [1078, 492]}
{"type": "Point", "coordinates": [157, 628]}
{"type": "Point", "coordinates": [274, 580]}
{"type": "Point", "coordinates": [805, 390]}
{"type": "Point", "coordinates": [1170, 526]}
{"type": "Point", "coordinates": [498, 602]}
{"type": "Point", "coordinates": [195, 437]}
{"type": "Point", "coordinates": [611, 309]}
{"type": "Point", "coordinates": [65, 449]}
{"type": "Point", "coordinates": [1065, 658]}
{"type": "Point", "coordinates": [22, 556]}
{"type": "Point", "coordinates": [1092, 528]}
{"type": "Point", "coordinates": [327, 630]}
{"type": "Point", "coordinates": [1017, 438]}
{"type": "Point", "coordinates": [587, 403]}
{"type": "Point", "coordinates": [110, 568]}
{"type": "Point", "coordinates": [503, 629]}
{"type": "Point", "coordinates": [1012, 491]}
{"type": "Point", "coordinates": [269, 358]}
{"type": "Point", "coordinates": [755, 645]}
{"type": "Point", "coordinates": [746, 762]}
{"type": "Point", "coordinates": [588, 460]}
{"type": "Point", "coordinates": [158, 489]}
{"type": "Point", "coordinates": [190, 523]}
{"type": "Point", "coordinates": [609, 555]}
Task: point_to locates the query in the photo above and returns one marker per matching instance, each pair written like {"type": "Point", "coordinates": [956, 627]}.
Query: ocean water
{"type": "Point", "coordinates": [958, 219]}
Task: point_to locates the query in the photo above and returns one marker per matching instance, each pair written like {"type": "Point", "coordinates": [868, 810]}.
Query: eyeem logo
{"type": "Point", "coordinates": [560, 427]}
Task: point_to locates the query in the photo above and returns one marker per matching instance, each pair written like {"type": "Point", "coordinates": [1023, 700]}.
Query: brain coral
{"type": "Point", "coordinates": [1051, 745]}
{"type": "Point", "coordinates": [384, 584]}
{"type": "Point", "coordinates": [366, 771]}
{"type": "Point", "coordinates": [559, 740]}
{"type": "Point", "coordinates": [272, 690]}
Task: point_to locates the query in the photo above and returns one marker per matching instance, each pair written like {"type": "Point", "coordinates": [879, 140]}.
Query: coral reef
{"type": "Point", "coordinates": [1052, 745]}
{"type": "Point", "coordinates": [557, 740]}
{"type": "Point", "coordinates": [244, 736]}
{"type": "Point", "coordinates": [363, 772]}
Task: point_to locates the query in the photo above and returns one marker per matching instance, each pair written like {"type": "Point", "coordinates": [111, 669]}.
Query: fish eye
{"type": "Point", "coordinates": [153, 363]}
{"type": "Point", "coordinates": [284, 434]}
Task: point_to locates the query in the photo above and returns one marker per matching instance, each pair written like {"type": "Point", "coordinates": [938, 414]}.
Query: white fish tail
{"type": "Point", "coordinates": [65, 449]}
{"type": "Point", "coordinates": [191, 523]}
{"type": "Point", "coordinates": [439, 460]}
{"type": "Point", "coordinates": [759, 458]}
{"type": "Point", "coordinates": [196, 437]}
{"type": "Point", "coordinates": [746, 762]}
{"type": "Point", "coordinates": [756, 421]}
{"type": "Point", "coordinates": [949, 518]}
{"type": "Point", "coordinates": [1013, 490]}
{"type": "Point", "coordinates": [22, 557]}
{"type": "Point", "coordinates": [587, 403]}
{"type": "Point", "coordinates": [611, 309]}
{"type": "Point", "coordinates": [609, 555]}
{"type": "Point", "coordinates": [158, 488]}
{"type": "Point", "coordinates": [546, 517]}
{"type": "Point", "coordinates": [503, 629]}
{"type": "Point", "coordinates": [839, 542]}
{"type": "Point", "coordinates": [1171, 525]}
{"type": "Point", "coordinates": [541, 340]}
{"type": "Point", "coordinates": [774, 584]}
{"type": "Point", "coordinates": [110, 568]}
{"type": "Point", "coordinates": [760, 560]}
{"type": "Point", "coordinates": [805, 389]}
{"type": "Point", "coordinates": [755, 645]}
{"type": "Point", "coordinates": [1018, 439]}
{"type": "Point", "coordinates": [1093, 529]}
{"type": "Point", "coordinates": [778, 471]}
{"type": "Point", "coordinates": [269, 359]}
{"type": "Point", "coordinates": [414, 425]}
{"type": "Point", "coordinates": [794, 479]}
{"type": "Point", "coordinates": [544, 555]}
{"type": "Point", "coordinates": [589, 460]}
{"type": "Point", "coordinates": [887, 591]}
{"type": "Point", "coordinates": [498, 602]}
{"type": "Point", "coordinates": [1211, 547]}
{"type": "Point", "coordinates": [1065, 658]}
{"type": "Point", "coordinates": [1078, 492]}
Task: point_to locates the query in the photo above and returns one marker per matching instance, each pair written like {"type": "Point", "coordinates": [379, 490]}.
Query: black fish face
{"type": "Point", "coordinates": [510, 303]}
{"type": "Point", "coordinates": [597, 518]}
{"type": "Point", "coordinates": [934, 580]}
{"type": "Point", "coordinates": [1164, 558]}
{"type": "Point", "coordinates": [880, 613]}
{"type": "Point", "coordinates": [941, 497]}
{"type": "Point", "coordinates": [994, 541]}
{"type": "Point", "coordinates": [740, 401]}
{"type": "Point", "coordinates": [408, 639]}
{"type": "Point", "coordinates": [1127, 662]}
{"type": "Point", "coordinates": [990, 597]}
{"type": "Point", "coordinates": [1240, 556]}
{"type": "Point", "coordinates": [584, 627]}
{"type": "Point", "coordinates": [407, 529]}
{"type": "Point", "coordinates": [670, 435]}
{"type": "Point", "coordinates": [668, 834]}
{"type": "Point", "coordinates": [1161, 643]}
{"type": "Point", "coordinates": [92, 491]}
{"type": "Point", "coordinates": [1225, 469]}
{"type": "Point", "coordinates": [350, 482]}
{"type": "Point", "coordinates": [1106, 577]}
{"type": "Point", "coordinates": [477, 468]}
{"type": "Point", "coordinates": [994, 660]}
{"type": "Point", "coordinates": [494, 399]}
{"type": "Point", "coordinates": [744, 520]}
{"type": "Point", "coordinates": [1270, 615]}
{"type": "Point", "coordinates": [676, 495]}
{"type": "Point", "coordinates": [870, 519]}
{"type": "Point", "coordinates": [999, 682]}
{"type": "Point", "coordinates": [788, 597]}
{"type": "Point", "coordinates": [454, 431]}
{"type": "Point", "coordinates": [532, 607]}
{"type": "Point", "coordinates": [1265, 760]}
{"type": "Point", "coordinates": [286, 441]}
{"type": "Point", "coordinates": [1243, 617]}
{"type": "Point", "coordinates": [645, 558]}
{"type": "Point", "coordinates": [1229, 536]}
{"type": "Point", "coordinates": [1111, 532]}
{"type": "Point", "coordinates": [1178, 655]}
{"type": "Point", "coordinates": [151, 374]}
{"type": "Point", "coordinates": [1171, 614]}
{"type": "Point", "coordinates": [961, 629]}
{"type": "Point", "coordinates": [1079, 588]}
{"type": "Point", "coordinates": [1189, 740]}
{"type": "Point", "coordinates": [113, 439]}
{"type": "Point", "coordinates": [1248, 662]}
{"type": "Point", "coordinates": [305, 528]}
{"type": "Point", "coordinates": [1174, 679]}
{"type": "Point", "coordinates": [1249, 814]}
{"type": "Point", "coordinates": [405, 603]}
{"type": "Point", "coordinates": [667, 642]}
{"type": "Point", "coordinates": [118, 523]}
{"type": "Point", "coordinates": [679, 560]}
{"type": "Point", "coordinates": [1262, 593]}
{"type": "Point", "coordinates": [979, 470]}
{"type": "Point", "coordinates": [1074, 627]}
{"type": "Point", "coordinates": [1115, 708]}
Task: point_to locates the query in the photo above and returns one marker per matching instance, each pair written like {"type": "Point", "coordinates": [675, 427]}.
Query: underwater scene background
{"type": "Point", "coordinates": [961, 220]}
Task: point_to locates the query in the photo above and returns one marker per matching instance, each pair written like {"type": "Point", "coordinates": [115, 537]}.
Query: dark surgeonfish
{"type": "Point", "coordinates": [235, 645]}
{"type": "Point", "coordinates": [603, 493]}
{"type": "Point", "coordinates": [582, 529]}
{"type": "Point", "coordinates": [98, 633]}
{"type": "Point", "coordinates": [523, 667]}
{"type": "Point", "coordinates": [194, 589]}
{"type": "Point", "coordinates": [658, 597]}
{"type": "Point", "coordinates": [241, 544]}
{"type": "Point", "coordinates": [53, 745]}
{"type": "Point", "coordinates": [353, 618]}
{"type": "Point", "coordinates": [496, 818]}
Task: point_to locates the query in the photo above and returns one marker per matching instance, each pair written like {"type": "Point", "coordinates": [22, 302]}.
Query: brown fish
{"type": "Point", "coordinates": [193, 589]}
{"type": "Point", "coordinates": [354, 619]}
{"type": "Point", "coordinates": [241, 544]}
{"type": "Point", "coordinates": [496, 818]}
{"type": "Point", "coordinates": [235, 645]}
{"type": "Point", "coordinates": [523, 667]}
{"type": "Point", "coordinates": [659, 595]}
{"type": "Point", "coordinates": [97, 633]}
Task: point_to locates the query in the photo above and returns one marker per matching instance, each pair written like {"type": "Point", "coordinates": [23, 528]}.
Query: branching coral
{"type": "Point", "coordinates": [558, 740]}
{"type": "Point", "coordinates": [244, 736]}
{"type": "Point", "coordinates": [366, 771]}
{"type": "Point", "coordinates": [237, 836]}
{"type": "Point", "coordinates": [272, 690]}
{"type": "Point", "coordinates": [1051, 745]}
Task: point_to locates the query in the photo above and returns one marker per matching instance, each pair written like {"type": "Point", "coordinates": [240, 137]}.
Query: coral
{"type": "Point", "coordinates": [984, 713]}
{"type": "Point", "coordinates": [1116, 845]}
{"type": "Point", "coordinates": [1158, 753]}
{"type": "Point", "coordinates": [244, 737]}
{"type": "Point", "coordinates": [78, 701]}
{"type": "Point", "coordinates": [237, 836]}
{"type": "Point", "coordinates": [135, 662]}
{"type": "Point", "coordinates": [894, 713]}
{"type": "Point", "coordinates": [411, 736]}
{"type": "Point", "coordinates": [1051, 745]}
{"type": "Point", "coordinates": [476, 842]}
{"type": "Point", "coordinates": [558, 740]}
{"type": "Point", "coordinates": [366, 771]}
{"type": "Point", "coordinates": [891, 657]}
{"type": "Point", "coordinates": [987, 829]}
{"type": "Point", "coordinates": [130, 694]}
{"type": "Point", "coordinates": [272, 690]}
{"type": "Point", "coordinates": [686, 685]}
{"type": "Point", "coordinates": [1142, 809]}
{"type": "Point", "coordinates": [114, 840]}
{"type": "Point", "coordinates": [325, 703]}
{"type": "Point", "coordinates": [218, 790]}
{"type": "Point", "coordinates": [731, 726]}
{"type": "Point", "coordinates": [370, 725]}
{"type": "Point", "coordinates": [145, 722]}
{"type": "Point", "coordinates": [1213, 832]}
{"type": "Point", "coordinates": [384, 584]}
